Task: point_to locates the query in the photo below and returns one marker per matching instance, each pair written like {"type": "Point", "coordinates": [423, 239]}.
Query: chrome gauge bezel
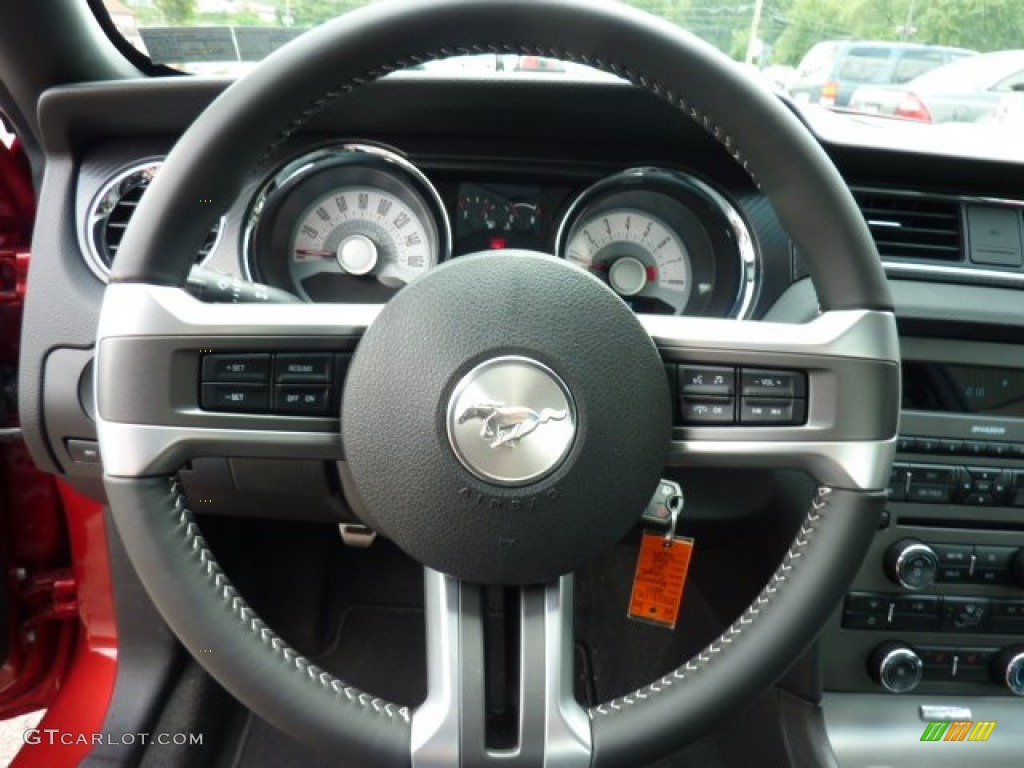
{"type": "Point", "coordinates": [381, 159]}
{"type": "Point", "coordinates": [683, 188]}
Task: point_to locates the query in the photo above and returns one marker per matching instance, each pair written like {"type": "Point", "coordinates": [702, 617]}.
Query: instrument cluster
{"type": "Point", "coordinates": [355, 223]}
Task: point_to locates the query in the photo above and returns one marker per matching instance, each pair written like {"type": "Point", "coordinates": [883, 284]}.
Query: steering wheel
{"type": "Point", "coordinates": [531, 331]}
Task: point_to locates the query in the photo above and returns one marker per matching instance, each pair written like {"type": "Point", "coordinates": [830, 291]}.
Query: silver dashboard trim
{"type": "Point", "coordinates": [869, 730]}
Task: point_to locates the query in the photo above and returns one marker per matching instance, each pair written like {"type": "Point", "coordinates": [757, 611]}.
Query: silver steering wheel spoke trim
{"type": "Point", "coordinates": [155, 335]}
{"type": "Point", "coordinates": [449, 729]}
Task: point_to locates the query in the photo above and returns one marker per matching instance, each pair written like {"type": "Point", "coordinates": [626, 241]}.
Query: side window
{"type": "Point", "coordinates": [1014, 82]}
{"type": "Point", "coordinates": [864, 65]}
{"type": "Point", "coordinates": [914, 63]}
{"type": "Point", "coordinates": [816, 63]}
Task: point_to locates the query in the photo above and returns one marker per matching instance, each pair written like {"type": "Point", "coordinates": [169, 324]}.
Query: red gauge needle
{"type": "Point", "coordinates": [309, 252]}
{"type": "Point", "coordinates": [595, 265]}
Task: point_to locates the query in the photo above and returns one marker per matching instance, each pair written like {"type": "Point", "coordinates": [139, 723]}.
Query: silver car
{"type": "Point", "coordinates": [965, 91]}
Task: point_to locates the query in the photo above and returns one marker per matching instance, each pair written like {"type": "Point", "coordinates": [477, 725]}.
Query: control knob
{"type": "Point", "coordinates": [1008, 669]}
{"type": "Point", "coordinates": [911, 564]}
{"type": "Point", "coordinates": [896, 667]}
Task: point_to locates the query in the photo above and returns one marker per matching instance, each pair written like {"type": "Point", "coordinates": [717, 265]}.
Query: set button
{"type": "Point", "coordinates": [287, 383]}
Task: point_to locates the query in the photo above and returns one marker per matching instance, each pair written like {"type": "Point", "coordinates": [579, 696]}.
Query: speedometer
{"type": "Point", "coordinates": [350, 225]}
{"type": "Point", "coordinates": [665, 242]}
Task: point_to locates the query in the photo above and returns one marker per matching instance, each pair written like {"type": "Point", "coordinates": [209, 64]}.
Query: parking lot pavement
{"type": "Point", "coordinates": [11, 732]}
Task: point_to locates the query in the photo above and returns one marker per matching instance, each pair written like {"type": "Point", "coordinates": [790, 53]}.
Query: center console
{"type": "Point", "coordinates": [932, 627]}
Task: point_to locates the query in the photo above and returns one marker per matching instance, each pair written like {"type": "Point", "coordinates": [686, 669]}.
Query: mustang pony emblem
{"type": "Point", "coordinates": [507, 425]}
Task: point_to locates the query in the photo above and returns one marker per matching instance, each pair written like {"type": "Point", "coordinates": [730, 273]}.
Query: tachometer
{"type": "Point", "coordinates": [638, 254]}
{"type": "Point", "coordinates": [348, 225]}
{"type": "Point", "coordinates": [665, 242]}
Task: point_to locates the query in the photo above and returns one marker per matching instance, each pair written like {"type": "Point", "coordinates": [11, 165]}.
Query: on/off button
{"type": "Point", "coordinates": [304, 368]}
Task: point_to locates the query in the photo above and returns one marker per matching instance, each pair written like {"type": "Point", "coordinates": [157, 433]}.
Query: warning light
{"type": "Point", "coordinates": [497, 243]}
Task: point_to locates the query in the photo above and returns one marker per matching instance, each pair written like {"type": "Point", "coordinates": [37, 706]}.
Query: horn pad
{"type": "Point", "coordinates": [505, 419]}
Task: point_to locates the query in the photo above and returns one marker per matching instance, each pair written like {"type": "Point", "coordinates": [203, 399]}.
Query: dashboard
{"type": "Point", "coordinates": [412, 172]}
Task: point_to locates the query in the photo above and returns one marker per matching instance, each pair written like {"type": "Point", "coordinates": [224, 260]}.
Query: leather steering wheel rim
{"type": "Point", "coordinates": [259, 112]}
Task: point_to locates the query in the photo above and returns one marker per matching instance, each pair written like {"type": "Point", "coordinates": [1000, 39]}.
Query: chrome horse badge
{"type": "Point", "coordinates": [507, 425]}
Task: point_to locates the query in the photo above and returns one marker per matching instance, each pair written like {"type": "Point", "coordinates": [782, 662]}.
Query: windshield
{"type": "Point", "coordinates": [823, 53]}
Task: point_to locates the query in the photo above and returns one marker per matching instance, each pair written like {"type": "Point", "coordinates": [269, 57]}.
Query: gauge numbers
{"type": "Point", "coordinates": [361, 230]}
{"type": "Point", "coordinates": [636, 253]}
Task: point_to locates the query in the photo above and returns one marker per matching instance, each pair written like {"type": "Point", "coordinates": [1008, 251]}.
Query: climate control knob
{"type": "Point", "coordinates": [911, 564]}
{"type": "Point", "coordinates": [896, 667]}
{"type": "Point", "coordinates": [1008, 669]}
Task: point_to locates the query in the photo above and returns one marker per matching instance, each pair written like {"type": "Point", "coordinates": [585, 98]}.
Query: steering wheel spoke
{"type": "Point", "coordinates": [820, 396]}
{"type": "Point", "coordinates": [185, 396]}
{"type": "Point", "coordinates": [450, 727]}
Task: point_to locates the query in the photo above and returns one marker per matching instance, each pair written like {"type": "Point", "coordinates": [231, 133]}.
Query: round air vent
{"type": "Point", "coordinates": [112, 209]}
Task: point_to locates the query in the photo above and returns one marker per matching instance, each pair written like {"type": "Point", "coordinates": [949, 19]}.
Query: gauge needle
{"type": "Point", "coordinates": [318, 254]}
{"type": "Point", "coordinates": [595, 265]}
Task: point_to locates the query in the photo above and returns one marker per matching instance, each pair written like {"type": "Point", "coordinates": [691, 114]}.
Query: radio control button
{"type": "Point", "coordinates": [979, 500]}
{"type": "Point", "coordinates": [994, 557]}
{"type": "Point", "coordinates": [953, 554]}
{"type": "Point", "coordinates": [911, 564]}
{"type": "Point", "coordinates": [929, 494]}
{"type": "Point", "coordinates": [932, 475]}
{"type": "Point", "coordinates": [951, 447]}
{"type": "Point", "coordinates": [953, 574]}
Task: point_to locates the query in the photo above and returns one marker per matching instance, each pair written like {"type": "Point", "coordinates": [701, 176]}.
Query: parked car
{"type": "Point", "coordinates": [831, 70]}
{"type": "Point", "coordinates": [1010, 110]}
{"type": "Point", "coordinates": [486, 368]}
{"type": "Point", "coordinates": [965, 91]}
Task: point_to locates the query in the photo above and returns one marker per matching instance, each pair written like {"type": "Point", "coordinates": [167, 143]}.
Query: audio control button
{"type": "Point", "coordinates": [994, 557]}
{"type": "Point", "coordinates": [953, 554]}
{"type": "Point", "coordinates": [929, 494]}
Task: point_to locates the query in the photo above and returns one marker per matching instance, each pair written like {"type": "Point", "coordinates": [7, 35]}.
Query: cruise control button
{"type": "Point", "coordinates": [764, 383]}
{"type": "Point", "coordinates": [237, 368]}
{"type": "Point", "coordinates": [707, 380]}
{"type": "Point", "coordinates": [242, 398]}
{"type": "Point", "coordinates": [307, 368]}
{"type": "Point", "coordinates": [302, 401]}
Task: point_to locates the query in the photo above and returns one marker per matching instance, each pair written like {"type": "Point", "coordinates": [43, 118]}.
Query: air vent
{"type": "Point", "coordinates": [912, 227]}
{"type": "Point", "coordinates": [114, 207]}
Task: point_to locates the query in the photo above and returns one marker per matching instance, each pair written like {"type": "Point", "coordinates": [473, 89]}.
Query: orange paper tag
{"type": "Point", "coordinates": [660, 579]}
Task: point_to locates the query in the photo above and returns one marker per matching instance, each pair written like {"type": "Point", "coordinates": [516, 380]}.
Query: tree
{"type": "Point", "coordinates": [982, 25]}
{"type": "Point", "coordinates": [176, 12]}
{"type": "Point", "coordinates": [310, 13]}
